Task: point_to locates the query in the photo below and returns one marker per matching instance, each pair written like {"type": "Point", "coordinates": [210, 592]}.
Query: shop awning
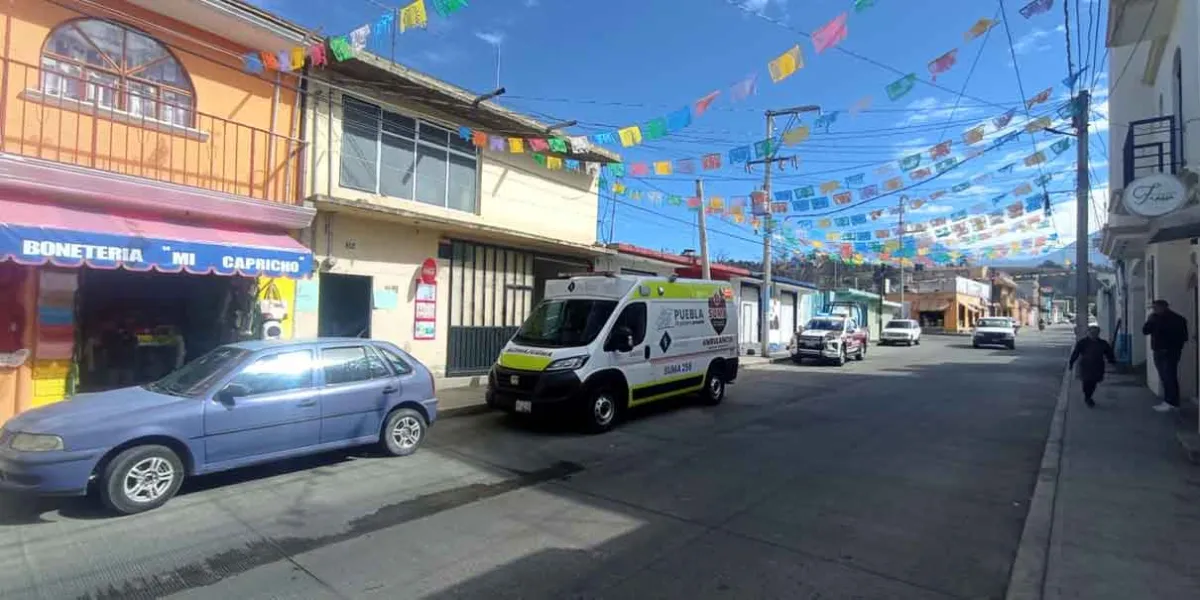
{"type": "Point", "coordinates": [37, 234]}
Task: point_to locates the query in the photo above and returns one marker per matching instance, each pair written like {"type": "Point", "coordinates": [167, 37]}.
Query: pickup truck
{"type": "Point", "coordinates": [830, 338]}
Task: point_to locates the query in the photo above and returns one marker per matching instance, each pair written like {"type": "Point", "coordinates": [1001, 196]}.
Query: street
{"type": "Point", "coordinates": [903, 476]}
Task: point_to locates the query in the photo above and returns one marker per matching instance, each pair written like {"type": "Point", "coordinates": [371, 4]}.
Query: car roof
{"type": "Point", "coordinates": [256, 345]}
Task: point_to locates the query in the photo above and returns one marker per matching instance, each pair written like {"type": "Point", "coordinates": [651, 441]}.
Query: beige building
{"type": "Point", "coordinates": [398, 190]}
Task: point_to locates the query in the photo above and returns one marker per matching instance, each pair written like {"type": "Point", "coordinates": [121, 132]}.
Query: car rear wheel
{"type": "Point", "coordinates": [141, 478]}
{"type": "Point", "coordinates": [403, 432]}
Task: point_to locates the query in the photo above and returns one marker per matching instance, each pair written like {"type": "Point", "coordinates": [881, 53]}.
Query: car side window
{"type": "Point", "coordinates": [634, 317]}
{"type": "Point", "coordinates": [283, 372]}
{"type": "Point", "coordinates": [399, 365]}
{"type": "Point", "coordinates": [351, 364]}
{"type": "Point", "coordinates": [851, 326]}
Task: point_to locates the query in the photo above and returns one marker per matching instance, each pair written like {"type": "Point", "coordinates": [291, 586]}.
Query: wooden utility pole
{"type": "Point", "coordinates": [1082, 200]}
{"type": "Point", "coordinates": [705, 267]}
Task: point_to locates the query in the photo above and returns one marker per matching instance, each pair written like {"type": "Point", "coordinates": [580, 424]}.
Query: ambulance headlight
{"type": "Point", "coordinates": [568, 364]}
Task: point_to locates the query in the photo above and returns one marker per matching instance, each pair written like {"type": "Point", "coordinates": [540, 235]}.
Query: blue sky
{"type": "Point", "coordinates": [624, 62]}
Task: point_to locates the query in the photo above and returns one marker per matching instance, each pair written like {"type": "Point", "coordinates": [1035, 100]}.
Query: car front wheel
{"type": "Point", "coordinates": [141, 478]}
{"type": "Point", "coordinates": [403, 432]}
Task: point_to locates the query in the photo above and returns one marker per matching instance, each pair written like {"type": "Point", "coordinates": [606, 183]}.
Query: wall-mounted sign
{"type": "Point", "coordinates": [1154, 195]}
{"type": "Point", "coordinates": [425, 302]}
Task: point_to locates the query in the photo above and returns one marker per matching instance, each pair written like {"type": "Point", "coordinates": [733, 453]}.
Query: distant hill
{"type": "Point", "coordinates": [1058, 256]}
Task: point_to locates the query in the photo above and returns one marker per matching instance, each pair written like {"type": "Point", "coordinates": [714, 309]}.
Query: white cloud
{"type": "Point", "coordinates": [531, 3]}
{"type": "Point", "coordinates": [1039, 40]}
{"type": "Point", "coordinates": [930, 109]}
{"type": "Point", "coordinates": [761, 6]}
{"type": "Point", "coordinates": [494, 38]}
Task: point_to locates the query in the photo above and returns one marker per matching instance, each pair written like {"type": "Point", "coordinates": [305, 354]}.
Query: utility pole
{"type": "Point", "coordinates": [768, 161]}
{"type": "Point", "coordinates": [903, 199]}
{"type": "Point", "coordinates": [705, 267]}
{"type": "Point", "coordinates": [1082, 200]}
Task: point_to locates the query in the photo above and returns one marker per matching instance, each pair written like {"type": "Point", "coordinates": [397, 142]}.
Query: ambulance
{"type": "Point", "coordinates": [599, 344]}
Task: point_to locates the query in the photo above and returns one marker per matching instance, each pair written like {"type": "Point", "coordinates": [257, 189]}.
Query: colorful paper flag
{"type": "Point", "coordinates": [1070, 80]}
{"type": "Point", "coordinates": [940, 150]}
{"type": "Point", "coordinates": [920, 174]}
{"type": "Point", "coordinates": [893, 184]}
{"type": "Point", "coordinates": [943, 63]}
{"type": "Point", "coordinates": [1038, 125]}
{"type": "Point", "coordinates": [741, 154]}
{"type": "Point", "coordinates": [446, 8]}
{"type": "Point", "coordinates": [980, 27]}
{"type": "Point", "coordinates": [805, 192]}
{"type": "Point", "coordinates": [1060, 146]}
{"type": "Point", "coordinates": [516, 145]}
{"type": "Point", "coordinates": [1036, 7]}
{"type": "Point", "coordinates": [843, 198]}
{"type": "Point", "coordinates": [899, 88]}
{"type": "Point", "coordinates": [1041, 97]}
{"type": "Point", "coordinates": [744, 88]}
{"type": "Point", "coordinates": [945, 165]}
{"type": "Point", "coordinates": [830, 186]}
{"type": "Point", "coordinates": [863, 103]}
{"type": "Point", "coordinates": [654, 129]}
{"type": "Point", "coordinates": [861, 5]}
{"type": "Point", "coordinates": [710, 161]}
{"type": "Point", "coordinates": [1003, 120]}
{"type": "Point", "coordinates": [701, 106]}
{"type": "Point", "coordinates": [479, 139]}
{"type": "Point", "coordinates": [630, 136]}
{"type": "Point", "coordinates": [413, 15]}
{"type": "Point", "coordinates": [826, 119]}
{"type": "Point", "coordinates": [830, 34]}
{"type": "Point", "coordinates": [680, 119]}
{"type": "Point", "coordinates": [685, 166]}
{"type": "Point", "coordinates": [910, 162]}
{"type": "Point", "coordinates": [1023, 189]}
{"type": "Point", "coordinates": [639, 169]}
{"type": "Point", "coordinates": [554, 163]}
{"type": "Point", "coordinates": [662, 167]}
{"type": "Point", "coordinates": [973, 135]}
{"type": "Point", "coordinates": [1036, 158]}
{"type": "Point", "coordinates": [538, 145]}
{"type": "Point", "coordinates": [796, 135]}
{"type": "Point", "coordinates": [787, 64]}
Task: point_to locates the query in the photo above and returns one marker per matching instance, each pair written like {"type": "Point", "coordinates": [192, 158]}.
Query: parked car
{"type": "Point", "coordinates": [832, 338]}
{"type": "Point", "coordinates": [905, 332]}
{"type": "Point", "coordinates": [994, 331]}
{"type": "Point", "coordinates": [239, 405]}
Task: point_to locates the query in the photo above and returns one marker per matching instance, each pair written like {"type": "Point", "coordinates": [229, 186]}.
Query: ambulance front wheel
{"type": "Point", "coordinates": [714, 385]}
{"type": "Point", "coordinates": [602, 407]}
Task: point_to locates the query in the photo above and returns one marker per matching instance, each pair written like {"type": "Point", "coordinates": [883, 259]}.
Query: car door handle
{"type": "Point", "coordinates": [310, 402]}
{"type": "Point", "coordinates": [391, 389]}
{"type": "Point", "coordinates": [647, 351]}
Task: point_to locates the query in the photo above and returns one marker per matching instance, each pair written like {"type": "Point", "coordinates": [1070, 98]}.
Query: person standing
{"type": "Point", "coordinates": [1168, 332]}
{"type": "Point", "coordinates": [1091, 352]}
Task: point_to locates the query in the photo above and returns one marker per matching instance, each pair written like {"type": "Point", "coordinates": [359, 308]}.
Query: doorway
{"type": "Point", "coordinates": [344, 306]}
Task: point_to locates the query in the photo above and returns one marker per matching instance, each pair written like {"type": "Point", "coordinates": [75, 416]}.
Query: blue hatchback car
{"type": "Point", "coordinates": [239, 405]}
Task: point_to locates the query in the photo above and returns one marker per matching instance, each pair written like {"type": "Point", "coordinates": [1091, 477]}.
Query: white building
{"type": "Point", "coordinates": [1154, 217]}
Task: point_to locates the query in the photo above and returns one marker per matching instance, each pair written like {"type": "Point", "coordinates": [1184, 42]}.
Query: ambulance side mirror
{"type": "Point", "coordinates": [620, 340]}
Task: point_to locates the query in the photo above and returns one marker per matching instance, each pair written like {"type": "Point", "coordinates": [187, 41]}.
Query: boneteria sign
{"type": "Point", "coordinates": [1154, 195]}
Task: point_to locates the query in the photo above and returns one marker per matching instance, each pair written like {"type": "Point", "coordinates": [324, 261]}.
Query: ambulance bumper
{"type": "Point", "coordinates": [534, 392]}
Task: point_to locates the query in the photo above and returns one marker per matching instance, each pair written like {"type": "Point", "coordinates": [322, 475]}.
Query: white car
{"type": "Point", "coordinates": [905, 332]}
{"type": "Point", "coordinates": [994, 331]}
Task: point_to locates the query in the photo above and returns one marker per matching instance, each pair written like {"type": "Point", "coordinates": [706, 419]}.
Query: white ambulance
{"type": "Point", "coordinates": [599, 344]}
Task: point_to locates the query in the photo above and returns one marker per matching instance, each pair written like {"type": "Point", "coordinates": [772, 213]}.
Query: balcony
{"type": "Point", "coordinates": [1150, 147]}
{"type": "Point", "coordinates": [55, 117]}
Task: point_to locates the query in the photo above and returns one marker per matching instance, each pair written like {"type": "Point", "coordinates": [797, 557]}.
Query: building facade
{"type": "Point", "coordinates": [421, 237]}
{"type": "Point", "coordinates": [951, 304]}
{"type": "Point", "coordinates": [150, 189]}
{"type": "Point", "coordinates": [1154, 218]}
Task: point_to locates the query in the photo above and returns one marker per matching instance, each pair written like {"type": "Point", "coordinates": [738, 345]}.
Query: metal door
{"type": "Point", "coordinates": [491, 293]}
{"type": "Point", "coordinates": [749, 316]}
{"type": "Point", "coordinates": [787, 316]}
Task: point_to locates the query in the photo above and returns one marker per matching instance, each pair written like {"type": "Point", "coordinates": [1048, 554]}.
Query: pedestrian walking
{"type": "Point", "coordinates": [1091, 352]}
{"type": "Point", "coordinates": [1168, 332]}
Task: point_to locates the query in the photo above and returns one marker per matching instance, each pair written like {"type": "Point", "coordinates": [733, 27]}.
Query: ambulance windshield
{"type": "Point", "coordinates": [565, 323]}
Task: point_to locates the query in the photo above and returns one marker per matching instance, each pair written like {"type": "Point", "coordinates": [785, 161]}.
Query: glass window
{"type": "Point", "coordinates": [398, 164]}
{"type": "Point", "coordinates": [402, 157]}
{"type": "Point", "coordinates": [195, 377]}
{"type": "Point", "coordinates": [400, 365]}
{"type": "Point", "coordinates": [101, 61]}
{"type": "Point", "coordinates": [351, 364]}
{"type": "Point", "coordinates": [283, 372]}
{"type": "Point", "coordinates": [431, 175]}
{"type": "Point", "coordinates": [565, 323]}
{"type": "Point", "coordinates": [634, 317]}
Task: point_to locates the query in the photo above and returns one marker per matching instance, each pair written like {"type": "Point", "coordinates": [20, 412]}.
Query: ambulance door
{"type": "Point", "coordinates": [635, 364]}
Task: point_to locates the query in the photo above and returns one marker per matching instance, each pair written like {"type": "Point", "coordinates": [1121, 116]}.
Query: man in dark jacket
{"type": "Point", "coordinates": [1091, 352]}
{"type": "Point", "coordinates": [1168, 333]}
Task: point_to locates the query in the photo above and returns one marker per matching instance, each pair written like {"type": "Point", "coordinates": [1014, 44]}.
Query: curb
{"type": "Point", "coordinates": [1027, 580]}
{"type": "Point", "coordinates": [463, 411]}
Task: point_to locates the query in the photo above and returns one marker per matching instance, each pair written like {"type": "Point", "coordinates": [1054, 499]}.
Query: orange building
{"type": "Point", "coordinates": [149, 189]}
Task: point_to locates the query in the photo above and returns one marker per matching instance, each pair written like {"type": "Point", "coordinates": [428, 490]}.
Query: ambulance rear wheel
{"type": "Point", "coordinates": [714, 386]}
{"type": "Point", "coordinates": [601, 409]}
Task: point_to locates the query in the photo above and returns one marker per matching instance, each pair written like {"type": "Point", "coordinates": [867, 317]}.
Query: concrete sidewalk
{"type": "Point", "coordinates": [1116, 511]}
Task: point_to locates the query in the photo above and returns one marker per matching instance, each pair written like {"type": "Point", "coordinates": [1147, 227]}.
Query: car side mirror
{"type": "Point", "coordinates": [231, 392]}
{"type": "Point", "coordinates": [620, 340]}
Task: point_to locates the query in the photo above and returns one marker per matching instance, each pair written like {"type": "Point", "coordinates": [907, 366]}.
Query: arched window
{"type": "Point", "coordinates": [102, 62]}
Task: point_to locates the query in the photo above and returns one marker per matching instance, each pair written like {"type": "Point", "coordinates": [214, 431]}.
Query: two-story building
{"type": "Point", "coordinates": [149, 188]}
{"type": "Point", "coordinates": [423, 237]}
{"type": "Point", "coordinates": [1154, 217]}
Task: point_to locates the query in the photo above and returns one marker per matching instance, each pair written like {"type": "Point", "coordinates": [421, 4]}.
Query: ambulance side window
{"type": "Point", "coordinates": [634, 317]}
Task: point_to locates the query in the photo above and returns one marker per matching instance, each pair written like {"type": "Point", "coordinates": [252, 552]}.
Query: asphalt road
{"type": "Point", "coordinates": [904, 476]}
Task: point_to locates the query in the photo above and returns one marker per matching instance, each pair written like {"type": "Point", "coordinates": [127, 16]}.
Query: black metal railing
{"type": "Point", "coordinates": [1151, 146]}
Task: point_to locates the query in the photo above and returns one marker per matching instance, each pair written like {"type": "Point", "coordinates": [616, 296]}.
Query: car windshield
{"type": "Point", "coordinates": [825, 324]}
{"type": "Point", "coordinates": [900, 324]}
{"type": "Point", "coordinates": [565, 323]}
{"type": "Point", "coordinates": [994, 323]}
{"type": "Point", "coordinates": [193, 378]}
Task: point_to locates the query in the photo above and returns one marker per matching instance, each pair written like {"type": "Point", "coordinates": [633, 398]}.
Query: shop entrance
{"type": "Point", "coordinates": [135, 327]}
{"type": "Point", "coordinates": [344, 306]}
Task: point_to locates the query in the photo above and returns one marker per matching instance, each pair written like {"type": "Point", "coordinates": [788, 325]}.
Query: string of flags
{"type": "Point", "coordinates": [344, 47]}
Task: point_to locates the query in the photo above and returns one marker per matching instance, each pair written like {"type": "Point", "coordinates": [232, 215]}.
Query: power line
{"type": "Point", "coordinates": [958, 98]}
